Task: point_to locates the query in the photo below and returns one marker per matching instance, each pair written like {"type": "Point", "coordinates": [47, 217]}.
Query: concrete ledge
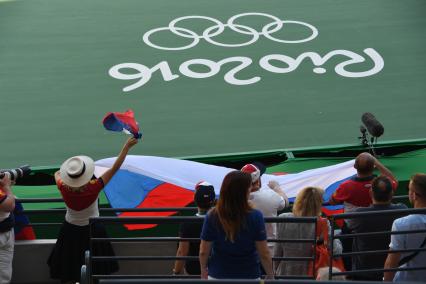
{"type": "Point", "coordinates": [30, 259]}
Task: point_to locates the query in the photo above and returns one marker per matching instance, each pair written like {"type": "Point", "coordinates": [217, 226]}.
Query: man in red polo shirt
{"type": "Point", "coordinates": [355, 193]}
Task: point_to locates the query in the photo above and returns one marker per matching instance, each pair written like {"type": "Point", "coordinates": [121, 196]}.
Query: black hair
{"type": "Point", "coordinates": [382, 189]}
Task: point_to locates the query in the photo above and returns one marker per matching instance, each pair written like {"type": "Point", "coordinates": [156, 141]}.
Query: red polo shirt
{"type": "Point", "coordinates": [79, 200]}
{"type": "Point", "coordinates": [356, 191]}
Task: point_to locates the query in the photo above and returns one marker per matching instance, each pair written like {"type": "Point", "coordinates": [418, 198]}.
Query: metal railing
{"type": "Point", "coordinates": [228, 281]}
{"type": "Point", "coordinates": [32, 212]}
{"type": "Point", "coordinates": [393, 213]}
{"type": "Point", "coordinates": [157, 220]}
{"type": "Point", "coordinates": [178, 220]}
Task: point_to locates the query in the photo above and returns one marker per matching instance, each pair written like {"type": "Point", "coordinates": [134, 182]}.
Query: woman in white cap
{"type": "Point", "coordinates": [80, 189]}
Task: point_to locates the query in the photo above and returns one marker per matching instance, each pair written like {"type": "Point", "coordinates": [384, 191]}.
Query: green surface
{"type": "Point", "coordinates": [402, 165]}
{"type": "Point", "coordinates": [55, 88]}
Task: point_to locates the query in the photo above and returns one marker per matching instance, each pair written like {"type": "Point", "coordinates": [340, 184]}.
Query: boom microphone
{"type": "Point", "coordinates": [374, 127]}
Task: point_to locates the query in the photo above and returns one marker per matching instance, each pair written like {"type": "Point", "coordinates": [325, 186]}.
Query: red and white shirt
{"type": "Point", "coordinates": [81, 204]}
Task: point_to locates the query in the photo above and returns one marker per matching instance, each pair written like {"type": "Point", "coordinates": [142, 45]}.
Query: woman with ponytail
{"type": "Point", "coordinates": [308, 203]}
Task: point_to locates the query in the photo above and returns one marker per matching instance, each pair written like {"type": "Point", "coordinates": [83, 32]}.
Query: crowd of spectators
{"type": "Point", "coordinates": [365, 192]}
{"type": "Point", "coordinates": [233, 238]}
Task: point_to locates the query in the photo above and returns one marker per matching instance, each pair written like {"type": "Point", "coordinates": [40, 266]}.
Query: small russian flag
{"type": "Point", "coordinates": [122, 122]}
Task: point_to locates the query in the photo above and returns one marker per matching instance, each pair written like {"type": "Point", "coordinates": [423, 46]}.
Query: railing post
{"type": "Point", "coordinates": [90, 254]}
{"type": "Point", "coordinates": [315, 248]}
{"type": "Point", "coordinates": [88, 265]}
{"type": "Point", "coordinates": [83, 275]}
{"type": "Point", "coordinates": [330, 265]}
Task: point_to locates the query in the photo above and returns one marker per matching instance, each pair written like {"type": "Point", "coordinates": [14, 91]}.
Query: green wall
{"type": "Point", "coordinates": [55, 88]}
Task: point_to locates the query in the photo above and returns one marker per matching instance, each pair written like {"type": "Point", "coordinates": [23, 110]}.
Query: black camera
{"type": "Point", "coordinates": [17, 173]}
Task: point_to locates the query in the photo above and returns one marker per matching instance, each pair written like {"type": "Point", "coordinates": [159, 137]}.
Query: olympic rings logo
{"type": "Point", "coordinates": [218, 27]}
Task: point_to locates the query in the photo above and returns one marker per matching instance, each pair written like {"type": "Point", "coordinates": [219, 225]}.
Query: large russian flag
{"type": "Point", "coordinates": [147, 181]}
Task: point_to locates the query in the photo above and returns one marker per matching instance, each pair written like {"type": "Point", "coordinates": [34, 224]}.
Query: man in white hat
{"type": "Point", "coordinates": [269, 200]}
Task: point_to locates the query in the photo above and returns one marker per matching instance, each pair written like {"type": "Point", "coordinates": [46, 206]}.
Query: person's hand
{"type": "Point", "coordinates": [131, 142]}
{"type": "Point", "coordinates": [176, 272]}
{"type": "Point", "coordinates": [274, 185]}
{"type": "Point", "coordinates": [269, 277]}
{"type": "Point", "coordinates": [204, 273]}
{"type": "Point", "coordinates": [5, 181]}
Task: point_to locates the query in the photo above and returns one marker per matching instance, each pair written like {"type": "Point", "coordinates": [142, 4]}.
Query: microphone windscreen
{"type": "Point", "coordinates": [374, 127]}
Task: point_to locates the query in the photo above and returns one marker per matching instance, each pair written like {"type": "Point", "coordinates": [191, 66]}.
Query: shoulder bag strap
{"type": "Point", "coordinates": [407, 258]}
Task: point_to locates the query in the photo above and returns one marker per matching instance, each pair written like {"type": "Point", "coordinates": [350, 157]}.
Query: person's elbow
{"type": "Point", "coordinates": [180, 253]}
{"type": "Point", "coordinates": [333, 201]}
{"type": "Point", "coordinates": [265, 255]}
{"type": "Point", "coordinates": [263, 250]}
{"type": "Point", "coordinates": [8, 205]}
{"type": "Point", "coordinates": [183, 249]}
{"type": "Point", "coordinates": [394, 184]}
{"type": "Point", "coordinates": [12, 207]}
{"type": "Point", "coordinates": [203, 253]}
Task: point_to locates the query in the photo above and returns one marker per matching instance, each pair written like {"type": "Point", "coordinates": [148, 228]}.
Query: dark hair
{"type": "Point", "coordinates": [364, 164]}
{"type": "Point", "coordinates": [233, 205]}
{"type": "Point", "coordinates": [382, 189]}
{"type": "Point", "coordinates": [204, 196]}
{"type": "Point", "coordinates": [206, 205]}
{"type": "Point", "coordinates": [418, 181]}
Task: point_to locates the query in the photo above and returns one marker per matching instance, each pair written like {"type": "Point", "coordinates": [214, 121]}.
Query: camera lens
{"type": "Point", "coordinates": [17, 173]}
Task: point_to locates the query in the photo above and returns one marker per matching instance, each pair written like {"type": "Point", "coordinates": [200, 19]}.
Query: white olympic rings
{"type": "Point", "coordinates": [219, 27]}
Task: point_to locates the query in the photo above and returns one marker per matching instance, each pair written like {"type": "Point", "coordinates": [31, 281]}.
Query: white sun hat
{"type": "Point", "coordinates": [77, 171]}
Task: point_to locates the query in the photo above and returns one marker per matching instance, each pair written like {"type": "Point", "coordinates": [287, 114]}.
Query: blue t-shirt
{"type": "Point", "coordinates": [410, 241]}
{"type": "Point", "coordinates": [238, 259]}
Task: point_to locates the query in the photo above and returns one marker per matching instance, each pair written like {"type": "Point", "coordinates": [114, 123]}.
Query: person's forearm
{"type": "Point", "coordinates": [107, 176]}
{"type": "Point", "coordinates": [283, 195]}
{"type": "Point", "coordinates": [275, 186]}
{"type": "Point", "coordinates": [120, 159]}
{"type": "Point", "coordinates": [267, 264]}
{"type": "Point", "coordinates": [203, 260]}
{"type": "Point", "coordinates": [178, 267]}
{"type": "Point", "coordinates": [265, 257]}
{"type": "Point", "coordinates": [183, 250]}
{"type": "Point", "coordinates": [383, 170]}
{"type": "Point", "coordinates": [392, 261]}
{"type": "Point", "coordinates": [388, 276]}
{"type": "Point", "coordinates": [7, 189]}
